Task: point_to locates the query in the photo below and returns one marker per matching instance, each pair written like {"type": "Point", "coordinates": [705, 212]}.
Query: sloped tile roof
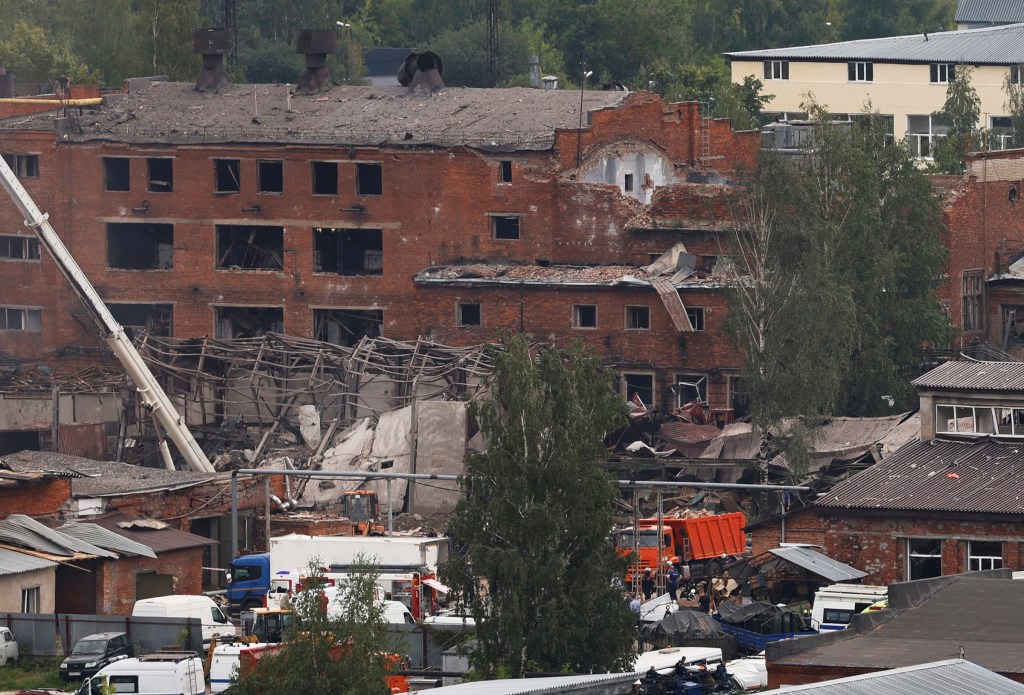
{"type": "Point", "coordinates": [970, 375]}
{"type": "Point", "coordinates": [1001, 45]}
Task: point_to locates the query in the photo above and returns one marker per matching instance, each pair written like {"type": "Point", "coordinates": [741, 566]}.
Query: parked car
{"type": "Point", "coordinates": [8, 646]}
{"type": "Point", "coordinates": [202, 608]}
{"type": "Point", "coordinates": [93, 652]}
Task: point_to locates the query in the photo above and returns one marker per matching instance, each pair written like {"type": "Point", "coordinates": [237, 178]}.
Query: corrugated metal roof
{"type": "Point", "coordinates": [1002, 45]}
{"type": "Point", "coordinates": [530, 686]}
{"type": "Point", "coordinates": [104, 538]}
{"type": "Point", "coordinates": [939, 475]}
{"type": "Point", "coordinates": [22, 530]}
{"type": "Point", "coordinates": [974, 376]}
{"type": "Point", "coordinates": [160, 540]}
{"type": "Point", "coordinates": [992, 11]}
{"type": "Point", "coordinates": [951, 677]}
{"type": "Point", "coordinates": [821, 565]}
{"type": "Point", "coordinates": [13, 562]}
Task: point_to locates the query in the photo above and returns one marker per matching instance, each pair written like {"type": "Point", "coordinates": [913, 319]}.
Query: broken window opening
{"type": "Point", "coordinates": [627, 185]}
{"type": "Point", "coordinates": [25, 166]}
{"type": "Point", "coordinates": [270, 177]}
{"type": "Point", "coordinates": [117, 173]}
{"type": "Point", "coordinates": [348, 251]}
{"type": "Point", "coordinates": [469, 314]}
{"type": "Point", "coordinates": [639, 386]}
{"type": "Point", "coordinates": [20, 319]}
{"type": "Point", "coordinates": [584, 316]}
{"type": "Point", "coordinates": [1013, 325]}
{"type": "Point", "coordinates": [696, 316]}
{"type": "Point", "coordinates": [248, 321]}
{"type": "Point", "coordinates": [140, 246]}
{"type": "Point", "coordinates": [638, 317]}
{"type": "Point", "coordinates": [346, 327]}
{"type": "Point", "coordinates": [505, 171]}
{"type": "Point", "coordinates": [161, 174]}
{"type": "Point", "coordinates": [924, 558]}
{"type": "Point", "coordinates": [325, 178]}
{"type": "Point", "coordinates": [505, 226]}
{"type": "Point", "coordinates": [369, 179]}
{"type": "Point", "coordinates": [984, 555]}
{"type": "Point", "coordinates": [691, 388]}
{"type": "Point", "coordinates": [250, 247]}
{"type": "Point", "coordinates": [19, 248]}
{"type": "Point", "coordinates": [228, 174]}
{"type": "Point", "coordinates": [154, 319]}
{"type": "Point", "coordinates": [973, 300]}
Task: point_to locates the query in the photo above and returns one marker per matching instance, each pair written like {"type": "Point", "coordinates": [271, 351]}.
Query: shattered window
{"type": "Point", "coordinates": [228, 175]}
{"type": "Point", "coordinates": [117, 173]}
{"type": "Point", "coordinates": [154, 319]}
{"type": "Point", "coordinates": [19, 319]}
{"type": "Point", "coordinates": [161, 174]}
{"type": "Point", "coordinates": [25, 166]}
{"type": "Point", "coordinates": [469, 314]}
{"type": "Point", "coordinates": [140, 246]}
{"type": "Point", "coordinates": [348, 251]}
{"type": "Point", "coordinates": [505, 172]}
{"type": "Point", "coordinates": [973, 296]}
{"type": "Point", "coordinates": [584, 316]}
{"type": "Point", "coordinates": [325, 178]}
{"type": "Point", "coordinates": [346, 327]}
{"type": "Point", "coordinates": [248, 321]}
{"type": "Point", "coordinates": [696, 316]}
{"type": "Point", "coordinates": [638, 317]}
{"type": "Point", "coordinates": [639, 387]}
{"type": "Point", "coordinates": [924, 558]}
{"type": "Point", "coordinates": [984, 555]}
{"type": "Point", "coordinates": [369, 179]}
{"type": "Point", "coordinates": [250, 247]}
{"type": "Point", "coordinates": [19, 248]}
{"type": "Point", "coordinates": [691, 388]}
{"type": "Point", "coordinates": [270, 175]}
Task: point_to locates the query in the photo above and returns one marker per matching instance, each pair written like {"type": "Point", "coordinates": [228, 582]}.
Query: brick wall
{"type": "Point", "coordinates": [37, 499]}
{"type": "Point", "coordinates": [116, 579]}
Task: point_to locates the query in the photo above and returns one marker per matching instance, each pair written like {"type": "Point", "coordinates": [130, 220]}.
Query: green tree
{"type": "Point", "coordinates": [538, 570]}
{"type": "Point", "coordinates": [464, 52]}
{"type": "Point", "coordinates": [960, 113]}
{"type": "Point", "coordinates": [34, 56]}
{"type": "Point", "coordinates": [339, 649]}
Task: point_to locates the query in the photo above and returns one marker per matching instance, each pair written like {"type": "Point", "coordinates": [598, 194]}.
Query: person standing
{"type": "Point", "coordinates": [672, 584]}
{"type": "Point", "coordinates": [647, 584]}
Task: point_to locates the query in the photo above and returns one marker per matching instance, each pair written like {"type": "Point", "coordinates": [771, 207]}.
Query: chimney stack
{"type": "Point", "coordinates": [213, 45]}
{"type": "Point", "coordinates": [534, 71]}
{"type": "Point", "coordinates": [422, 70]}
{"type": "Point", "coordinates": [316, 44]}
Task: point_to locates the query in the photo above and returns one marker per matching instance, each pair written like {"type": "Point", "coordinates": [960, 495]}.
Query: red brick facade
{"type": "Point", "coordinates": [42, 498]}
{"type": "Point", "coordinates": [116, 580]}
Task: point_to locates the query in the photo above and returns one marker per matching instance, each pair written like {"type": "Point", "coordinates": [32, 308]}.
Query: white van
{"type": "Point", "coordinates": [227, 660]}
{"type": "Point", "coordinates": [153, 674]}
{"type": "Point", "coordinates": [204, 608]}
{"type": "Point", "coordinates": [834, 606]}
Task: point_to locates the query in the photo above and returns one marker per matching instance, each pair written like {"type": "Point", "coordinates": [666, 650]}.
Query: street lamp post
{"type": "Point", "coordinates": [348, 50]}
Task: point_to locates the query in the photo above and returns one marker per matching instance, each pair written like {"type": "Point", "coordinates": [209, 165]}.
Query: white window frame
{"type": "Point", "coordinates": [916, 140]}
{"type": "Point", "coordinates": [1000, 137]}
{"type": "Point", "coordinates": [911, 555]}
{"type": "Point", "coordinates": [31, 318]}
{"type": "Point", "coordinates": [977, 563]}
{"type": "Point", "coordinates": [955, 413]}
{"type": "Point", "coordinates": [1016, 74]}
{"type": "Point", "coordinates": [697, 316]}
{"type": "Point", "coordinates": [776, 69]}
{"type": "Point", "coordinates": [695, 380]}
{"type": "Point", "coordinates": [941, 73]}
{"type": "Point", "coordinates": [860, 71]}
{"type": "Point", "coordinates": [30, 599]}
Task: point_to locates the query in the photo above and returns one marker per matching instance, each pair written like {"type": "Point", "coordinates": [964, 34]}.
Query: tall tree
{"type": "Point", "coordinates": [538, 570]}
{"type": "Point", "coordinates": [35, 56]}
{"type": "Point", "coordinates": [960, 114]}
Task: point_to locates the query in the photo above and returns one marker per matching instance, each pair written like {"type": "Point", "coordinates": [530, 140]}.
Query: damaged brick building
{"type": "Point", "coordinates": [455, 215]}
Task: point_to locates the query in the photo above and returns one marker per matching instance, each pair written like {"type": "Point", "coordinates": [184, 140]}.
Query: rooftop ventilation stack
{"type": "Point", "coordinates": [422, 70]}
{"type": "Point", "coordinates": [213, 45]}
{"type": "Point", "coordinates": [315, 44]}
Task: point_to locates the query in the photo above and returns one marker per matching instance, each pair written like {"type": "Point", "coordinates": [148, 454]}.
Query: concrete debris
{"type": "Point", "coordinates": [309, 425]}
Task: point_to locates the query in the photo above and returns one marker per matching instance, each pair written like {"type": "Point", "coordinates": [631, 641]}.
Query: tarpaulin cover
{"type": "Point", "coordinates": [735, 614]}
{"type": "Point", "coordinates": [685, 624]}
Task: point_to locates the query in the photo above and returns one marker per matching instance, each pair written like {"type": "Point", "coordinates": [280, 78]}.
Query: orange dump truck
{"type": "Point", "coordinates": [698, 542]}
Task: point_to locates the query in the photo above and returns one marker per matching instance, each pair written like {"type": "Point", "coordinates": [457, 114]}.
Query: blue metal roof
{"type": "Point", "coordinates": [1001, 45]}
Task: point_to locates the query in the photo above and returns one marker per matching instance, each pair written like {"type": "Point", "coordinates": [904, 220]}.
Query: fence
{"type": "Point", "coordinates": [44, 635]}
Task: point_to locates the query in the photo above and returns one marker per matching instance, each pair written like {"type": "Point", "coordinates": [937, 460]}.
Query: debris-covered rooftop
{"type": "Point", "coordinates": [605, 275]}
{"type": "Point", "coordinates": [173, 112]}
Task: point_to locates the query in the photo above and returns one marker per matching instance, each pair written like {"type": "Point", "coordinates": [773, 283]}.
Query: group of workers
{"type": "Point", "coordinates": [673, 583]}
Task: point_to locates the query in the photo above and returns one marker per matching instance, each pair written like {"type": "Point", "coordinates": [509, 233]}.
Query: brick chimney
{"type": "Point", "coordinates": [213, 45]}
{"type": "Point", "coordinates": [316, 45]}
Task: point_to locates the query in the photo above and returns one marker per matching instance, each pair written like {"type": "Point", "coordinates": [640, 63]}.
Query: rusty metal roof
{"type": "Point", "coordinates": [969, 375]}
{"type": "Point", "coordinates": [493, 119]}
{"type": "Point", "coordinates": [682, 433]}
{"type": "Point", "coordinates": [939, 475]}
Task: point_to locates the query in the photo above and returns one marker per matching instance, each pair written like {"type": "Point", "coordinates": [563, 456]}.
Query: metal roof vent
{"type": "Point", "coordinates": [422, 70]}
{"type": "Point", "coordinates": [316, 44]}
{"type": "Point", "coordinates": [213, 45]}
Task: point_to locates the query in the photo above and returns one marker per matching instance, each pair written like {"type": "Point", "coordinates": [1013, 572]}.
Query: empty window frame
{"type": "Point", "coordinates": [691, 387]}
{"type": "Point", "coordinates": [964, 419]}
{"type": "Point", "coordinates": [1010, 422]}
{"type": "Point", "coordinates": [984, 555]}
{"type": "Point", "coordinates": [696, 316]}
{"type": "Point", "coordinates": [270, 176]}
{"type": "Point", "coordinates": [250, 247]}
{"type": "Point", "coordinates": [227, 173]}
{"type": "Point", "coordinates": [860, 72]}
{"type": "Point", "coordinates": [972, 301]}
{"type": "Point", "coordinates": [161, 174]}
{"type": "Point", "coordinates": [627, 183]}
{"type": "Point", "coordinates": [346, 327]}
{"type": "Point", "coordinates": [638, 318]}
{"type": "Point", "coordinates": [1012, 326]}
{"type": "Point", "coordinates": [505, 226]}
{"type": "Point", "coordinates": [468, 314]}
{"type": "Point", "coordinates": [20, 319]}
{"type": "Point", "coordinates": [140, 246]}
{"type": "Point", "coordinates": [117, 173]}
{"type": "Point", "coordinates": [924, 558]}
{"type": "Point", "coordinates": [941, 73]}
{"type": "Point", "coordinates": [505, 171]}
{"type": "Point", "coordinates": [325, 178]}
{"type": "Point", "coordinates": [25, 166]}
{"type": "Point", "coordinates": [19, 248]}
{"type": "Point", "coordinates": [369, 179]}
{"type": "Point", "coordinates": [739, 399]}
{"type": "Point", "coordinates": [1000, 132]}
{"type": "Point", "coordinates": [584, 316]}
{"type": "Point", "coordinates": [638, 388]}
{"type": "Point", "coordinates": [248, 321]}
{"type": "Point", "coordinates": [30, 600]}
{"type": "Point", "coordinates": [776, 69]}
{"type": "Point", "coordinates": [1015, 74]}
{"type": "Point", "coordinates": [154, 319]}
{"type": "Point", "coordinates": [348, 251]}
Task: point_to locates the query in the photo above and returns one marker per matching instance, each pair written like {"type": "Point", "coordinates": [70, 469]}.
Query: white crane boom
{"type": "Point", "coordinates": [155, 398]}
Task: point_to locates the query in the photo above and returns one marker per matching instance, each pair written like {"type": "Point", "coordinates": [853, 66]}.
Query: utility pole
{"type": "Point", "coordinates": [492, 41]}
{"type": "Point", "coordinates": [230, 22]}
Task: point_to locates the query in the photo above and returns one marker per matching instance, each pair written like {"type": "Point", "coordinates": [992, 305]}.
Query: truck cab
{"type": "Point", "coordinates": [248, 581]}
